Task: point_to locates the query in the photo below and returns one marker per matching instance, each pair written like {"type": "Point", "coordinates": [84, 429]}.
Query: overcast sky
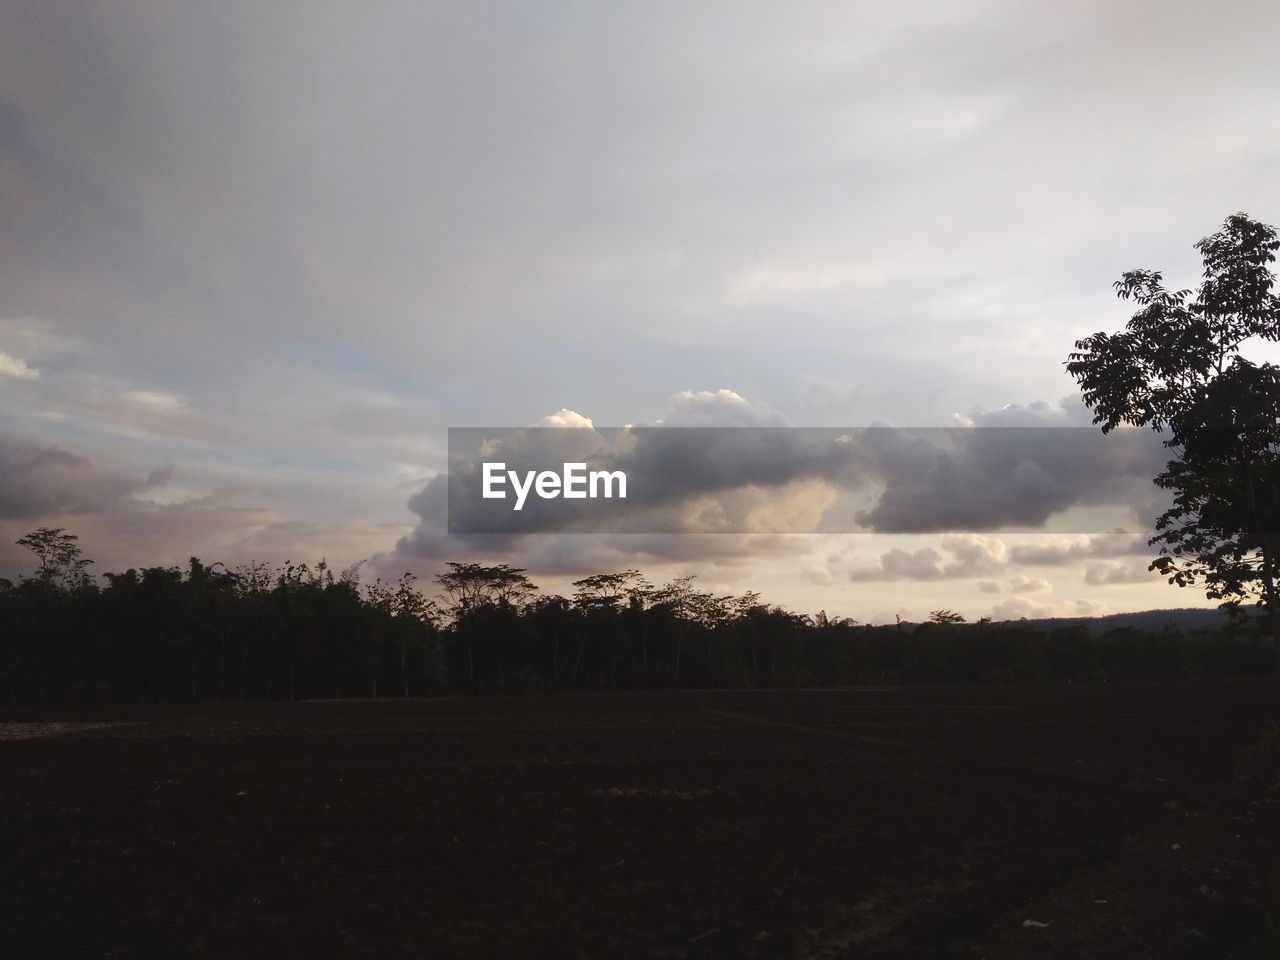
{"type": "Point", "coordinates": [255, 259]}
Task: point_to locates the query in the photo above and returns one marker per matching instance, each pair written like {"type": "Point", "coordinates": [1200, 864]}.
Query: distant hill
{"type": "Point", "coordinates": [1187, 619]}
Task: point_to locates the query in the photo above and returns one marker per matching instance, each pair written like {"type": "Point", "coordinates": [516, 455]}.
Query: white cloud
{"type": "Point", "coordinates": [565, 418]}
{"type": "Point", "coordinates": [718, 408]}
{"type": "Point", "coordinates": [17, 368]}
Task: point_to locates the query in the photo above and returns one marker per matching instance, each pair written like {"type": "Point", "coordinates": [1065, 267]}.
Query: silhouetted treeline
{"type": "Point", "coordinates": [209, 633]}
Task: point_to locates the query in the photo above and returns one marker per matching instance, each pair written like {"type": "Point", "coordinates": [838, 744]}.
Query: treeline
{"type": "Point", "coordinates": [294, 632]}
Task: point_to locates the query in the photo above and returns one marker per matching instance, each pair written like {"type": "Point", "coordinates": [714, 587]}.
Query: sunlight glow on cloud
{"type": "Point", "coordinates": [565, 418]}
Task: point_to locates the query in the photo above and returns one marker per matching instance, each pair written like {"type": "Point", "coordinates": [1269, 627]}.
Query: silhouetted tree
{"type": "Point", "coordinates": [482, 598]}
{"type": "Point", "coordinates": [206, 633]}
{"type": "Point", "coordinates": [600, 598]}
{"type": "Point", "coordinates": [1178, 366]}
{"type": "Point", "coordinates": [62, 563]}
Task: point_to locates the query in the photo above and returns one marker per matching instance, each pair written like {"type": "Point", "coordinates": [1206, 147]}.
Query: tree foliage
{"type": "Point", "coordinates": [62, 564]}
{"type": "Point", "coordinates": [205, 632]}
{"type": "Point", "coordinates": [1179, 367]}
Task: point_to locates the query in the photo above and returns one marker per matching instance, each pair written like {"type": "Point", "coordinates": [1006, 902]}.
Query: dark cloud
{"type": "Point", "coordinates": [1017, 467]}
{"type": "Point", "coordinates": [1014, 467]}
{"type": "Point", "coordinates": [160, 476]}
{"type": "Point", "coordinates": [755, 482]}
{"type": "Point", "coordinates": [430, 544]}
{"type": "Point", "coordinates": [39, 478]}
{"type": "Point", "coordinates": [1066, 554]}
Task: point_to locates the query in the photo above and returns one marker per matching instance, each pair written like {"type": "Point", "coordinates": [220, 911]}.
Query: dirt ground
{"type": "Point", "coordinates": [1090, 821]}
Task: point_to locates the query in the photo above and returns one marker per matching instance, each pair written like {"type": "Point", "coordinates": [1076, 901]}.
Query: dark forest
{"type": "Point", "coordinates": [303, 632]}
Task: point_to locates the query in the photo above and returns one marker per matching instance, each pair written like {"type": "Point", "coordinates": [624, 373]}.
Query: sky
{"type": "Point", "coordinates": [256, 259]}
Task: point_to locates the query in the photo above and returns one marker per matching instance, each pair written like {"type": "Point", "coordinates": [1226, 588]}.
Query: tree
{"type": "Point", "coordinates": [604, 591]}
{"type": "Point", "coordinates": [62, 564]}
{"type": "Point", "coordinates": [1178, 366]}
{"type": "Point", "coordinates": [477, 592]}
{"type": "Point", "coordinates": [472, 585]}
{"type": "Point", "coordinates": [945, 616]}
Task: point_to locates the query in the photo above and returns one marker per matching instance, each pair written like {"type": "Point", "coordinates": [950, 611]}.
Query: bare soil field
{"type": "Point", "coordinates": [1085, 821]}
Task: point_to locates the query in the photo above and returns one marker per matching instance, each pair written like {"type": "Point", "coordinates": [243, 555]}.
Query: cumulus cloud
{"type": "Point", "coordinates": [1012, 467]}
{"type": "Point", "coordinates": [714, 463]}
{"type": "Point", "coordinates": [39, 478]}
{"type": "Point", "coordinates": [718, 463]}
{"type": "Point", "coordinates": [16, 367]}
{"type": "Point", "coordinates": [1103, 572]}
{"type": "Point", "coordinates": [1019, 607]}
{"type": "Point", "coordinates": [431, 543]}
{"type": "Point", "coordinates": [1103, 560]}
{"type": "Point", "coordinates": [565, 418]}
{"type": "Point", "coordinates": [959, 556]}
{"type": "Point", "coordinates": [718, 408]}
{"type": "Point", "coordinates": [753, 481]}
{"type": "Point", "coordinates": [1020, 584]}
{"type": "Point", "coordinates": [127, 516]}
{"type": "Point", "coordinates": [1058, 551]}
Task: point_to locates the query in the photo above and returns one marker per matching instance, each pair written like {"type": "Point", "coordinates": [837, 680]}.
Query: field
{"type": "Point", "coordinates": [903, 822]}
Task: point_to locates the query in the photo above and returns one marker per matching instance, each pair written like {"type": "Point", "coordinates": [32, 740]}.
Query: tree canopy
{"type": "Point", "coordinates": [1180, 367]}
{"type": "Point", "coordinates": [206, 632]}
{"type": "Point", "coordinates": [62, 564]}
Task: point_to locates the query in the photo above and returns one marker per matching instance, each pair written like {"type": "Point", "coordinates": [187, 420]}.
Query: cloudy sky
{"type": "Point", "coordinates": [255, 259]}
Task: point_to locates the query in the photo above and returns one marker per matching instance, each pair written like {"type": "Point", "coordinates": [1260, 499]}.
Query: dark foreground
{"type": "Point", "coordinates": [922, 822]}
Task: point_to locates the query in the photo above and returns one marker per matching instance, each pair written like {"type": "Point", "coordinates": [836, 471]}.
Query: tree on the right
{"type": "Point", "coordinates": [1180, 367]}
